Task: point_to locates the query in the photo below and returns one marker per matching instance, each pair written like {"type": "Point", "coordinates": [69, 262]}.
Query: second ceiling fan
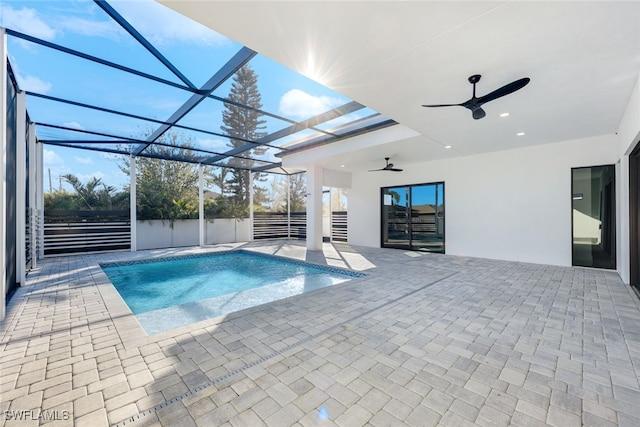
{"type": "Point", "coordinates": [388, 167]}
{"type": "Point", "coordinates": [475, 103]}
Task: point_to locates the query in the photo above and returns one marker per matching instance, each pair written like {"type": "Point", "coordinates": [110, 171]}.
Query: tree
{"type": "Point", "coordinates": [296, 186]}
{"type": "Point", "coordinates": [90, 194]}
{"type": "Point", "coordinates": [60, 200]}
{"type": "Point", "coordinates": [279, 185]}
{"type": "Point", "coordinates": [93, 195]}
{"type": "Point", "coordinates": [261, 198]}
{"type": "Point", "coordinates": [243, 124]}
{"type": "Point", "coordinates": [220, 179]}
{"type": "Point", "coordinates": [339, 199]}
{"type": "Point", "coordinates": [166, 189]}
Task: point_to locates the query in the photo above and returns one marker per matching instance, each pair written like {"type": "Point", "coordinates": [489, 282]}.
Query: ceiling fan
{"type": "Point", "coordinates": [388, 167]}
{"type": "Point", "coordinates": [475, 104]}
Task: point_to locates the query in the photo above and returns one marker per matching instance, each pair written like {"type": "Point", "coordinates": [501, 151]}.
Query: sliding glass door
{"type": "Point", "coordinates": [413, 217]}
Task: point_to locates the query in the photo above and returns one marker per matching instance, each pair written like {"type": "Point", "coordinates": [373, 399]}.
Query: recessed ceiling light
{"type": "Point", "coordinates": [504, 115]}
{"type": "Point", "coordinates": [447, 146]}
{"type": "Point", "coordinates": [341, 166]}
{"type": "Point", "coordinates": [520, 133]}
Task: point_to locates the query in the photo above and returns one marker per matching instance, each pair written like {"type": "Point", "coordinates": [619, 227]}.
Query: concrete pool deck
{"type": "Point", "coordinates": [424, 339]}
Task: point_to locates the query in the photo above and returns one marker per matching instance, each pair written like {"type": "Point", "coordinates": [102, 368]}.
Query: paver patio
{"type": "Point", "coordinates": [424, 339]}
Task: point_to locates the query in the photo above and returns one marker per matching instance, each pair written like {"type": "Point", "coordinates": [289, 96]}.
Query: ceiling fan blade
{"type": "Point", "coordinates": [377, 170]}
{"type": "Point", "coordinates": [395, 170]}
{"type": "Point", "coordinates": [504, 90]}
{"type": "Point", "coordinates": [478, 113]}
{"type": "Point", "coordinates": [443, 105]}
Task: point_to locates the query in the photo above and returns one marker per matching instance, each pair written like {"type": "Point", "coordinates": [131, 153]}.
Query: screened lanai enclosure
{"type": "Point", "coordinates": [193, 125]}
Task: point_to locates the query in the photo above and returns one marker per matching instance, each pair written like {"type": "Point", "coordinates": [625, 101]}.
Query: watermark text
{"type": "Point", "coordinates": [36, 414]}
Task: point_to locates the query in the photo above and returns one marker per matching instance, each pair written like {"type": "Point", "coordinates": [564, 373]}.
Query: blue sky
{"type": "Point", "coordinates": [195, 50]}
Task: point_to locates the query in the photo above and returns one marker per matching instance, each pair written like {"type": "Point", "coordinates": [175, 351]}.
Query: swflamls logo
{"type": "Point", "coordinates": [36, 414]}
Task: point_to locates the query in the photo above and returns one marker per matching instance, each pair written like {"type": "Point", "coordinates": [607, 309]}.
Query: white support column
{"type": "Point", "coordinates": [40, 198]}
{"type": "Point", "coordinates": [330, 214]}
{"type": "Point", "coordinates": [33, 192]}
{"type": "Point", "coordinates": [21, 187]}
{"type": "Point", "coordinates": [288, 206]}
{"type": "Point", "coordinates": [133, 213]}
{"type": "Point", "coordinates": [314, 207]}
{"type": "Point", "coordinates": [250, 206]}
{"type": "Point", "coordinates": [3, 178]}
{"type": "Point", "coordinates": [201, 203]}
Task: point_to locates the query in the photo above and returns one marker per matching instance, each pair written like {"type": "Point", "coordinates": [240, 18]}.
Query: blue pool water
{"type": "Point", "coordinates": [202, 286]}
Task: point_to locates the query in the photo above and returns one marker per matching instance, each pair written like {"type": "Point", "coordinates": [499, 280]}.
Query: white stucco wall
{"type": "Point", "coordinates": [227, 230]}
{"type": "Point", "coordinates": [336, 179]}
{"type": "Point", "coordinates": [628, 137]}
{"type": "Point", "coordinates": [511, 205]}
{"type": "Point", "coordinates": [629, 129]}
{"type": "Point", "coordinates": [159, 234]}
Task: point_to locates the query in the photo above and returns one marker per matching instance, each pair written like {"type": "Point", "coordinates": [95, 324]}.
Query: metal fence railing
{"type": "Point", "coordinates": [29, 239]}
{"type": "Point", "coordinates": [70, 232]}
{"type": "Point", "coordinates": [339, 226]}
{"type": "Point", "coordinates": [276, 225]}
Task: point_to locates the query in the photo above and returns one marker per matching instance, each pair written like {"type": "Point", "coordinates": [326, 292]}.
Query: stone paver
{"type": "Point", "coordinates": [425, 339]}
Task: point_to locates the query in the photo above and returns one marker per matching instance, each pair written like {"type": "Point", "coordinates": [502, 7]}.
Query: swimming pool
{"type": "Point", "coordinates": [166, 293]}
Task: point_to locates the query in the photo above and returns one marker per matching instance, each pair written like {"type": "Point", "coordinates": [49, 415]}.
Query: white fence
{"type": "Point", "coordinates": [158, 234]}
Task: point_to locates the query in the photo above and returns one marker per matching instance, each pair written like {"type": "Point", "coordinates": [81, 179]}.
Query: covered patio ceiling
{"type": "Point", "coordinates": [93, 106]}
{"type": "Point", "coordinates": [583, 58]}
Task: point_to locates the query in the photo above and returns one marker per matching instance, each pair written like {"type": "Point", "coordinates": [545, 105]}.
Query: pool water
{"type": "Point", "coordinates": [170, 292]}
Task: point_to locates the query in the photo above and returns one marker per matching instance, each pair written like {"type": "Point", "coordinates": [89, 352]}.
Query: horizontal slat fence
{"type": "Point", "coordinates": [423, 223]}
{"type": "Point", "coordinates": [339, 226]}
{"type": "Point", "coordinates": [274, 225]}
{"type": "Point", "coordinates": [29, 238]}
{"type": "Point", "coordinates": [70, 232]}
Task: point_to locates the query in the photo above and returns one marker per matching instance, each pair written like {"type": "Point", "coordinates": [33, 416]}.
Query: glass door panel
{"type": "Point", "coordinates": [593, 217]}
{"type": "Point", "coordinates": [395, 229]}
{"type": "Point", "coordinates": [427, 217]}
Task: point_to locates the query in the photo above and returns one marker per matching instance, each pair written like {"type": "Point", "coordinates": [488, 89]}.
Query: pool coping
{"type": "Point", "coordinates": [330, 268]}
{"type": "Point", "coordinates": [133, 334]}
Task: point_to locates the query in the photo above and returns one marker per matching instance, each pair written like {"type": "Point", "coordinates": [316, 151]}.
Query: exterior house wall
{"type": "Point", "coordinates": [628, 136]}
{"type": "Point", "coordinates": [510, 205]}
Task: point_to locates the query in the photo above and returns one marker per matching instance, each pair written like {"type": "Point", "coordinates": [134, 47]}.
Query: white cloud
{"type": "Point", "coordinates": [163, 26]}
{"type": "Point", "coordinates": [29, 82]}
{"type": "Point", "coordinates": [51, 159]}
{"type": "Point", "coordinates": [33, 84]}
{"type": "Point", "coordinates": [30, 21]}
{"type": "Point", "coordinates": [83, 160]}
{"type": "Point", "coordinates": [299, 104]}
{"type": "Point", "coordinates": [54, 168]}
{"type": "Point", "coordinates": [85, 177]}
{"type": "Point", "coordinates": [217, 145]}
{"type": "Point", "coordinates": [91, 27]}
{"type": "Point", "coordinates": [25, 20]}
{"type": "Point", "coordinates": [159, 24]}
{"type": "Point", "coordinates": [74, 125]}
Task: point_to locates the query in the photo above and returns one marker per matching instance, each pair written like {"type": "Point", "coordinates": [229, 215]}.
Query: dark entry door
{"type": "Point", "coordinates": [594, 217]}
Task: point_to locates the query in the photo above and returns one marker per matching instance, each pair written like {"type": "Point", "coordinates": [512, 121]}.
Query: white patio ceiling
{"type": "Point", "coordinates": [583, 59]}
